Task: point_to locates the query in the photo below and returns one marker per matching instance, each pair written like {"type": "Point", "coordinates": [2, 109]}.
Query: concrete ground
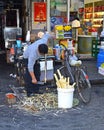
{"type": "Point", "coordinates": [81, 117]}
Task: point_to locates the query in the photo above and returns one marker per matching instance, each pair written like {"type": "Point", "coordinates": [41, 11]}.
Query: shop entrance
{"type": "Point", "coordinates": [8, 18]}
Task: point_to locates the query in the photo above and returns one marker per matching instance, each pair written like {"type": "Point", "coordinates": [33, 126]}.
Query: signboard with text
{"type": "Point", "coordinates": [40, 11]}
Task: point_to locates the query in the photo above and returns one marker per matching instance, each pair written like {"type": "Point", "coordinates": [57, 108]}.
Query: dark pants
{"type": "Point", "coordinates": [30, 87]}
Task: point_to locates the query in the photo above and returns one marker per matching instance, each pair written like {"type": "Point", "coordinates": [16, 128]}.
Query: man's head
{"type": "Point", "coordinates": [43, 49]}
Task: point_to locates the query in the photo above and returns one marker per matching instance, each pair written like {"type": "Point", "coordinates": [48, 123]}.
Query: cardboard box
{"type": "Point", "coordinates": [49, 71]}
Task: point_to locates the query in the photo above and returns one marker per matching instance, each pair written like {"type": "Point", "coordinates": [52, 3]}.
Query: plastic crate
{"type": "Point", "coordinates": [102, 38]}
{"type": "Point", "coordinates": [95, 48]}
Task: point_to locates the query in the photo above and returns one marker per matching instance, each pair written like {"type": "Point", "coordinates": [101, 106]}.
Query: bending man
{"type": "Point", "coordinates": [31, 55]}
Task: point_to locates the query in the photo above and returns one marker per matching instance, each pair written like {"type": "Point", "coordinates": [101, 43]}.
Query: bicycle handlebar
{"type": "Point", "coordinates": [68, 50]}
{"type": "Point", "coordinates": [63, 46]}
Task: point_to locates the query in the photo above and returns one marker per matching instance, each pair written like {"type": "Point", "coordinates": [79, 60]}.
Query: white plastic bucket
{"type": "Point", "coordinates": [65, 97]}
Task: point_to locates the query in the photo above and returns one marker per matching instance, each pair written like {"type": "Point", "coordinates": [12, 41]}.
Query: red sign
{"type": "Point", "coordinates": [40, 11]}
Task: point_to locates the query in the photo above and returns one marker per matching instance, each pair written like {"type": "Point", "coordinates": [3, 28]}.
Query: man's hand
{"type": "Point", "coordinates": [34, 81]}
{"type": "Point", "coordinates": [40, 34]}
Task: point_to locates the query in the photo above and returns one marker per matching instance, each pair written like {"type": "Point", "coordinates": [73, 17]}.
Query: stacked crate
{"type": "Point", "coordinates": [95, 47]}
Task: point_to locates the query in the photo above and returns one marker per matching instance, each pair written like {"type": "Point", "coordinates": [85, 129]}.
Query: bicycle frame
{"type": "Point", "coordinates": [67, 65]}
{"type": "Point", "coordinates": [77, 75]}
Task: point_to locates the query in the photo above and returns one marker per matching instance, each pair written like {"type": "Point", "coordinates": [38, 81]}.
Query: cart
{"type": "Point", "coordinates": [11, 32]}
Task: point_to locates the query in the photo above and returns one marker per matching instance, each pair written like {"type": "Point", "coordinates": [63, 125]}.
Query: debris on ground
{"type": "Point", "coordinates": [38, 102]}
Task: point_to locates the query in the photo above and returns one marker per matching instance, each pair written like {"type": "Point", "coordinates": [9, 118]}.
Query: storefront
{"type": "Point", "coordinates": [45, 15]}
{"type": "Point", "coordinates": [9, 19]}
{"type": "Point", "coordinates": [91, 17]}
{"type": "Point", "coordinates": [55, 12]}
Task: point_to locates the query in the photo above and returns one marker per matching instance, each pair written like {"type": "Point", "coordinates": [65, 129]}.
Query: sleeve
{"type": "Point", "coordinates": [31, 62]}
{"type": "Point", "coordinates": [46, 37]}
{"type": "Point", "coordinates": [99, 30]}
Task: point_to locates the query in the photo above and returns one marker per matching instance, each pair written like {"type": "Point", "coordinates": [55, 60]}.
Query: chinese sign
{"type": "Point", "coordinates": [40, 11]}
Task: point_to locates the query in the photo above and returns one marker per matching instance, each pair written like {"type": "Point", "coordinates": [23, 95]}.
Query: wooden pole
{"type": "Point", "coordinates": [68, 11]}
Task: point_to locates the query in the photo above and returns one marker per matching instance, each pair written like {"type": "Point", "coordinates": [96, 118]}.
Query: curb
{"type": "Point", "coordinates": [98, 81]}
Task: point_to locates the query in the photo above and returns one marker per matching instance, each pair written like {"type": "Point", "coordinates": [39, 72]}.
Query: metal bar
{"type": "Point", "coordinates": [18, 21]}
{"type": "Point", "coordinates": [48, 16]}
{"type": "Point", "coordinates": [45, 79]}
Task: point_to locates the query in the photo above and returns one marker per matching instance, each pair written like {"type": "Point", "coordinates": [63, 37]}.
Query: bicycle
{"type": "Point", "coordinates": [77, 74]}
{"type": "Point", "coordinates": [20, 70]}
{"type": "Point", "coordinates": [20, 67]}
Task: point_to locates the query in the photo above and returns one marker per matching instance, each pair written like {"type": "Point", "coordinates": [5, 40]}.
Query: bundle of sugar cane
{"type": "Point", "coordinates": [62, 82]}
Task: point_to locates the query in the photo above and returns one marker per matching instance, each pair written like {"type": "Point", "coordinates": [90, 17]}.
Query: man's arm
{"type": "Point", "coordinates": [31, 62]}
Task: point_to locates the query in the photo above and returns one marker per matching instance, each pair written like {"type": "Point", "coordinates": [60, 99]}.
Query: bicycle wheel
{"type": "Point", "coordinates": [20, 73]}
{"type": "Point", "coordinates": [83, 85]}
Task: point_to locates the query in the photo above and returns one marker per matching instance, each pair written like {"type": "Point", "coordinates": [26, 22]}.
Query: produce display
{"type": "Point", "coordinates": [63, 31]}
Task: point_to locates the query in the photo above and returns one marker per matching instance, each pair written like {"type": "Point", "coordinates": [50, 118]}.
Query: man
{"type": "Point", "coordinates": [31, 55]}
{"type": "Point", "coordinates": [100, 29]}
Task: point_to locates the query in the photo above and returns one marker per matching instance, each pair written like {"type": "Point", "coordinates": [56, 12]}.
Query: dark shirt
{"type": "Point", "coordinates": [100, 29]}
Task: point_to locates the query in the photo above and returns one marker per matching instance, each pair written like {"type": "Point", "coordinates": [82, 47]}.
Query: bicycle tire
{"type": "Point", "coordinates": [83, 85]}
{"type": "Point", "coordinates": [20, 73]}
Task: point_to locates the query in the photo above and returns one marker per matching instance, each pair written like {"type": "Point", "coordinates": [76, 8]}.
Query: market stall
{"type": "Point", "coordinates": [63, 35]}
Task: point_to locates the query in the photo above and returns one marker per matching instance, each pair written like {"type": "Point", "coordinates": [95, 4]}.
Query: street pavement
{"type": "Point", "coordinates": [80, 117]}
{"type": "Point", "coordinates": [92, 70]}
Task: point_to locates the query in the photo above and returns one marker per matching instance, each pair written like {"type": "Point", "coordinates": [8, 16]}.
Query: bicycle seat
{"type": "Point", "coordinates": [75, 63]}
